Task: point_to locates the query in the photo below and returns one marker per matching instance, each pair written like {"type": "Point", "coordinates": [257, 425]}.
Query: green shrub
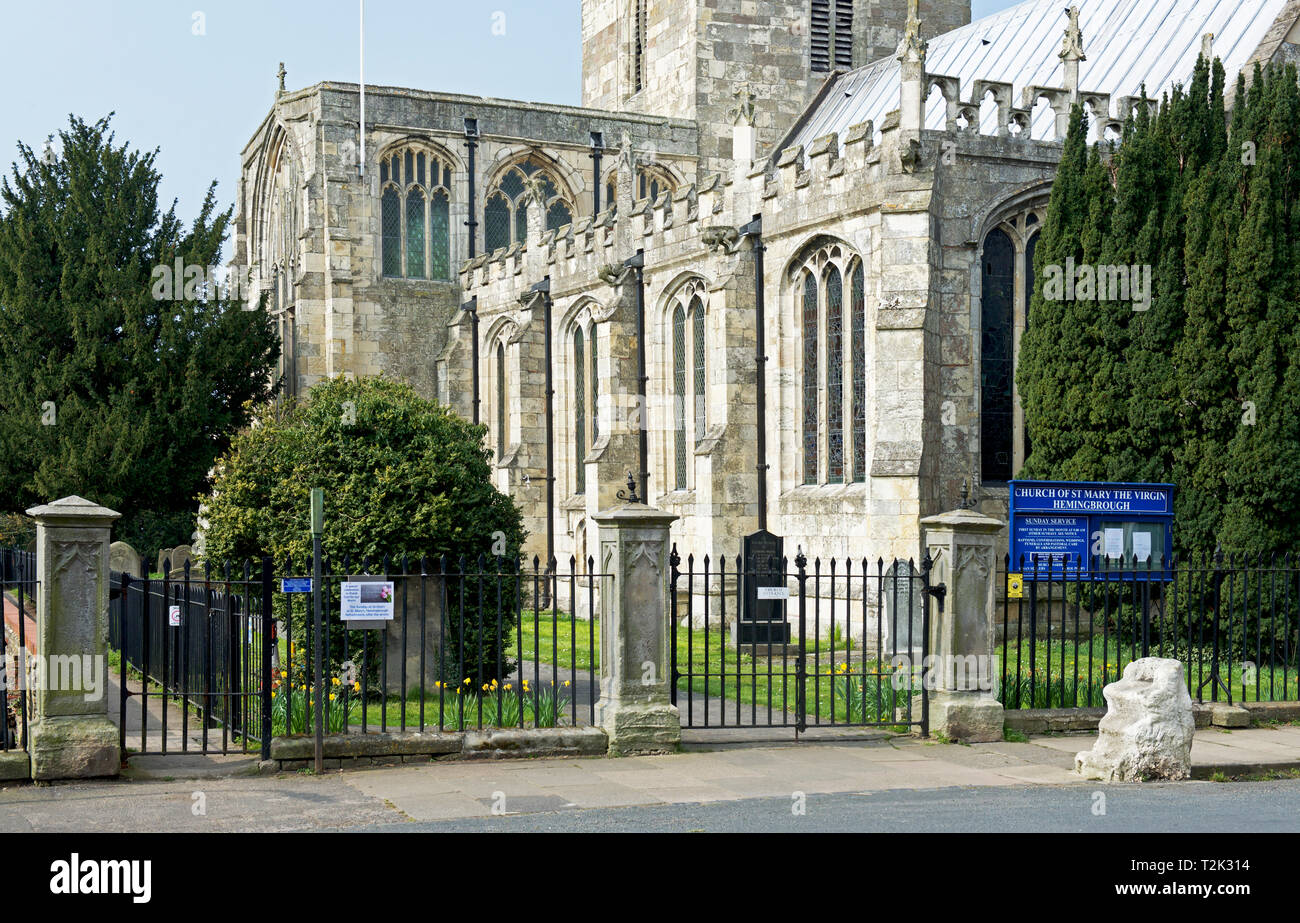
{"type": "Point", "coordinates": [402, 476]}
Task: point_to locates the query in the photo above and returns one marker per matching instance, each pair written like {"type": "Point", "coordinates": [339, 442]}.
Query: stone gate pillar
{"type": "Point", "coordinates": [634, 707]}
{"type": "Point", "coordinates": [71, 734]}
{"type": "Point", "coordinates": [963, 548]}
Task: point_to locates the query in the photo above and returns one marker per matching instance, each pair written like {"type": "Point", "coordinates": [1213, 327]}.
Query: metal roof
{"type": "Point", "coordinates": [1127, 43]}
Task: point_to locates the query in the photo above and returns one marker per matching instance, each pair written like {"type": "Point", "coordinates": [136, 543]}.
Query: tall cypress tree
{"type": "Point", "coordinates": [1261, 476]}
{"type": "Point", "coordinates": [1204, 388]}
{"type": "Point", "coordinates": [1049, 364]}
{"type": "Point", "coordinates": [105, 390]}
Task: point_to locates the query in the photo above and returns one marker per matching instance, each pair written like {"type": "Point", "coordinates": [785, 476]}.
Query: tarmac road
{"type": "Point", "coordinates": [1189, 807]}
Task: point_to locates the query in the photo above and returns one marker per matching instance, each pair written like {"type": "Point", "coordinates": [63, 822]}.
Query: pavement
{"type": "Point", "coordinates": [197, 793]}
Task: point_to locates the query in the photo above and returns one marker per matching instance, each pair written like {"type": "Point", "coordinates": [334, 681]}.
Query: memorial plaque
{"type": "Point", "coordinates": [762, 618]}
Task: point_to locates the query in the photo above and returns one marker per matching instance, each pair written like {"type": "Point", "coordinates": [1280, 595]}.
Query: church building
{"type": "Point", "coordinates": [788, 244]}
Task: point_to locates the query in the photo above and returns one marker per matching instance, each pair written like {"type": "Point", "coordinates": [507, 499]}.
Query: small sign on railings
{"type": "Point", "coordinates": [366, 600]}
{"type": "Point", "coordinates": [174, 616]}
{"type": "Point", "coordinates": [295, 585]}
{"type": "Point", "coordinates": [773, 592]}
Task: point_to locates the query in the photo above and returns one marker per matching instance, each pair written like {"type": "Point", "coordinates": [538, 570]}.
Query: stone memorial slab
{"type": "Point", "coordinates": [762, 619]}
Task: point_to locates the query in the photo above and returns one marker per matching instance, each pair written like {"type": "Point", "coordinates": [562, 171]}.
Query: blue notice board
{"type": "Point", "coordinates": [1092, 531]}
{"type": "Point", "coordinates": [295, 585]}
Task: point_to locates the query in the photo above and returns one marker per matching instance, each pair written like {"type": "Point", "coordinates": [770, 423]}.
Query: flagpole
{"type": "Point", "coordinates": [362, 125]}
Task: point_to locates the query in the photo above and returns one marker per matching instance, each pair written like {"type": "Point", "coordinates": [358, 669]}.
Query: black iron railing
{"type": "Point", "coordinates": [470, 645]}
{"type": "Point", "coordinates": [1068, 626]}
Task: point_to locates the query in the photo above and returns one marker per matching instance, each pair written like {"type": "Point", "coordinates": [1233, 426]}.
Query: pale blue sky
{"type": "Point", "coordinates": [200, 97]}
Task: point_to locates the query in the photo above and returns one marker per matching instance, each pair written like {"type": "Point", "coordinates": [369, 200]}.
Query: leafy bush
{"type": "Point", "coordinates": [402, 476]}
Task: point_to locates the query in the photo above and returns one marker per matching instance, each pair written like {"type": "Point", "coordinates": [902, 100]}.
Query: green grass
{"type": "Point", "coordinates": [861, 693]}
{"type": "Point", "coordinates": [1069, 675]}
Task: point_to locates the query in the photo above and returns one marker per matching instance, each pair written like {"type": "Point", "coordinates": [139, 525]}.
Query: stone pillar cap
{"type": "Point", "coordinates": [633, 513]}
{"type": "Point", "coordinates": [964, 521]}
{"type": "Point", "coordinates": [72, 510]}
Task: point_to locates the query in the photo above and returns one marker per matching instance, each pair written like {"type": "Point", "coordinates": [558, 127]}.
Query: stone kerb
{"type": "Point", "coordinates": [962, 674]}
{"type": "Point", "coordinates": [635, 707]}
{"type": "Point", "coordinates": [71, 734]}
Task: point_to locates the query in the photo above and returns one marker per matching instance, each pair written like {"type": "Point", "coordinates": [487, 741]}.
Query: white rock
{"type": "Point", "coordinates": [1147, 731]}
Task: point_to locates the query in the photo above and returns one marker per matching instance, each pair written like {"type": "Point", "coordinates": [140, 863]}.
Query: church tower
{"type": "Point", "coordinates": [690, 58]}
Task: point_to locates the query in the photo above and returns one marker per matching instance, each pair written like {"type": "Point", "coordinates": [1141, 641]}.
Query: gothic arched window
{"type": "Point", "coordinates": [811, 390]}
{"type": "Point", "coordinates": [505, 212]}
{"type": "Point", "coordinates": [651, 180]}
{"type": "Point", "coordinates": [501, 401]}
{"type": "Point", "coordinates": [679, 394]}
{"type": "Point", "coordinates": [686, 362]}
{"type": "Point", "coordinates": [832, 381]}
{"type": "Point", "coordinates": [415, 214]}
{"type": "Point", "coordinates": [997, 301]}
{"type": "Point", "coordinates": [579, 415]}
{"type": "Point", "coordinates": [858, 351]}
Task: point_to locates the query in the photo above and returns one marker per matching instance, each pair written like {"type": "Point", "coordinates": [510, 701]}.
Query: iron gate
{"type": "Point", "coordinates": [195, 656]}
{"type": "Point", "coordinates": [840, 644]}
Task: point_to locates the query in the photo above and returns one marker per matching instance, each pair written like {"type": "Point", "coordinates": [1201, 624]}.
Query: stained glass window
{"type": "Point", "coordinates": [834, 377]}
{"type": "Point", "coordinates": [440, 236]}
{"type": "Point", "coordinates": [496, 223]}
{"type": "Point", "coordinates": [998, 294]}
{"type": "Point", "coordinates": [392, 232]}
{"type": "Point", "coordinates": [558, 215]}
{"type": "Point", "coordinates": [501, 401]}
{"type": "Point", "coordinates": [810, 379]}
{"type": "Point", "coordinates": [512, 184]}
{"type": "Point", "coordinates": [858, 349]}
{"type": "Point", "coordinates": [414, 234]}
{"type": "Point", "coordinates": [679, 393]}
{"type": "Point", "coordinates": [700, 383]}
{"type": "Point", "coordinates": [415, 220]}
{"type": "Point", "coordinates": [506, 214]}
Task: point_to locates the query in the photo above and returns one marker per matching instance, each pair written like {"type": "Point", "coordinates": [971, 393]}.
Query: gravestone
{"type": "Point", "coordinates": [902, 623]}
{"type": "Point", "coordinates": [180, 556]}
{"type": "Point", "coordinates": [762, 621]}
{"type": "Point", "coordinates": [123, 559]}
{"type": "Point", "coordinates": [405, 637]}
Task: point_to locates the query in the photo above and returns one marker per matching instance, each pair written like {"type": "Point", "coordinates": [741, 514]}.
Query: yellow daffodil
{"type": "Point", "coordinates": [332, 697]}
{"type": "Point", "coordinates": [356, 687]}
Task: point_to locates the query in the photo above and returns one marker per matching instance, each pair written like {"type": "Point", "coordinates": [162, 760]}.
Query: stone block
{"type": "Point", "coordinates": [1148, 728]}
{"type": "Point", "coordinates": [969, 717]}
{"type": "Point", "coordinates": [15, 765]}
{"type": "Point", "coordinates": [74, 747]}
